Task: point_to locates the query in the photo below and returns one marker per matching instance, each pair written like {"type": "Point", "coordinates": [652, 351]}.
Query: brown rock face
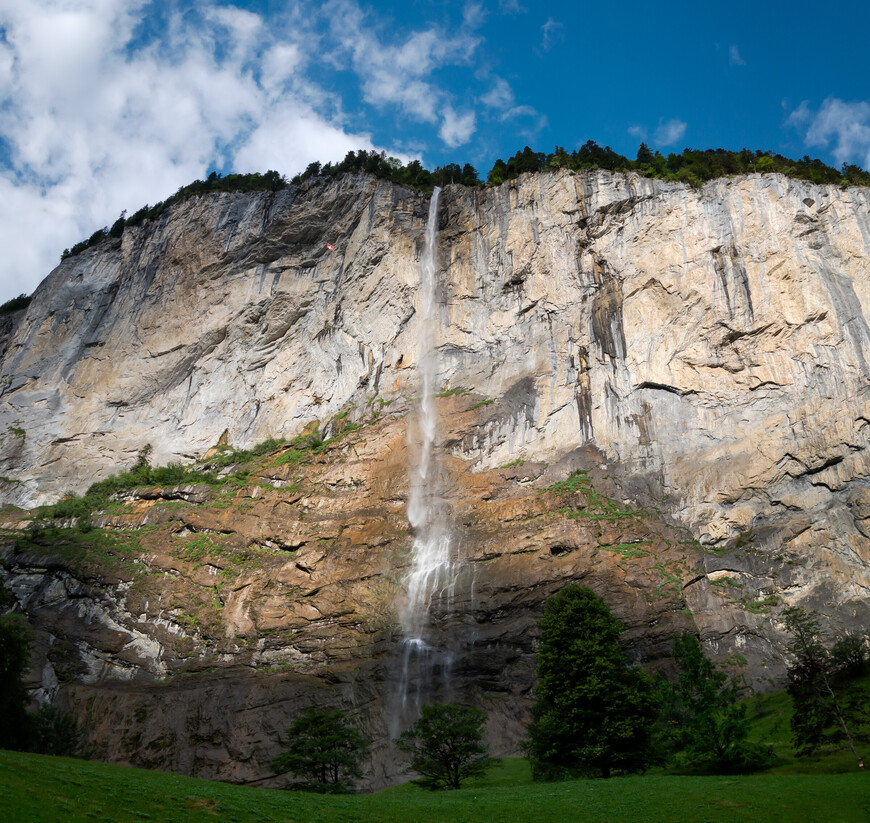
{"type": "Point", "coordinates": [700, 357]}
{"type": "Point", "coordinates": [190, 627]}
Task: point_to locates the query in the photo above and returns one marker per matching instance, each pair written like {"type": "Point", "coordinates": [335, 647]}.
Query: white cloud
{"type": "Point", "coordinates": [456, 129]}
{"type": "Point", "coordinates": [501, 99]}
{"type": "Point", "coordinates": [474, 15]}
{"type": "Point", "coordinates": [638, 131]}
{"type": "Point", "coordinates": [500, 96]}
{"type": "Point", "coordinates": [551, 32]}
{"type": "Point", "coordinates": [95, 121]}
{"type": "Point", "coordinates": [399, 73]}
{"type": "Point", "coordinates": [734, 58]}
{"type": "Point", "coordinates": [842, 126]}
{"type": "Point", "coordinates": [111, 104]}
{"type": "Point", "coordinates": [511, 7]}
{"type": "Point", "coordinates": [669, 132]}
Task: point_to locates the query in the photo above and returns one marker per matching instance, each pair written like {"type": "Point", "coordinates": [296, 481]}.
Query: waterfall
{"type": "Point", "coordinates": [430, 580]}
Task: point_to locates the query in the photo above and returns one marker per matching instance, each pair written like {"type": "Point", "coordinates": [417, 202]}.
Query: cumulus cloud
{"type": "Point", "coordinates": [96, 118]}
{"type": "Point", "coordinates": [108, 105]}
{"type": "Point", "coordinates": [500, 96]}
{"type": "Point", "coordinates": [637, 131]}
{"type": "Point", "coordinates": [669, 132]}
{"type": "Point", "coordinates": [841, 126]}
{"type": "Point", "coordinates": [501, 101]}
{"type": "Point", "coordinates": [734, 58]}
{"type": "Point", "coordinates": [398, 73]}
{"type": "Point", "coordinates": [456, 129]}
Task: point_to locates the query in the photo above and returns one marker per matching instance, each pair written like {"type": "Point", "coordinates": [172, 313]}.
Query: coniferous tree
{"type": "Point", "coordinates": [594, 714]}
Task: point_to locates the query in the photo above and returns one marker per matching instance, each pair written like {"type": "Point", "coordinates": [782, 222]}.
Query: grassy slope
{"type": "Point", "coordinates": [37, 788]}
{"type": "Point", "coordinates": [770, 715]}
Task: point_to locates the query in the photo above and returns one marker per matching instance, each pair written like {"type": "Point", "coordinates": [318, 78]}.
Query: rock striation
{"type": "Point", "coordinates": [700, 355]}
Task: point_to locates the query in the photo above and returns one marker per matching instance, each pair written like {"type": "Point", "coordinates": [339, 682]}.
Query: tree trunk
{"type": "Point", "coordinates": [843, 724]}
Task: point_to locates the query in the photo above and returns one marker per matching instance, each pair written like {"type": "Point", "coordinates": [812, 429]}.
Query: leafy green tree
{"type": "Point", "coordinates": [14, 660]}
{"type": "Point", "coordinates": [707, 721]}
{"type": "Point", "coordinates": [849, 656]}
{"type": "Point", "coordinates": [594, 714]}
{"type": "Point", "coordinates": [324, 750]}
{"type": "Point", "coordinates": [498, 173]}
{"type": "Point", "coordinates": [764, 163]}
{"type": "Point", "coordinates": [446, 745]}
{"type": "Point", "coordinates": [830, 708]}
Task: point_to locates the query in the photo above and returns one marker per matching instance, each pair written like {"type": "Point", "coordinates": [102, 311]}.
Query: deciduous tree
{"type": "Point", "coordinates": [14, 660]}
{"type": "Point", "coordinates": [704, 713]}
{"type": "Point", "coordinates": [446, 745]}
{"type": "Point", "coordinates": [830, 707]}
{"type": "Point", "coordinates": [325, 750]}
{"type": "Point", "coordinates": [594, 713]}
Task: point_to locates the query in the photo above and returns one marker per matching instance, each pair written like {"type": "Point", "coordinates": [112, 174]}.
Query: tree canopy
{"type": "Point", "coordinates": [14, 660]}
{"type": "Point", "coordinates": [830, 706]}
{"type": "Point", "coordinates": [324, 750]}
{"type": "Point", "coordinates": [445, 746]}
{"type": "Point", "coordinates": [705, 717]}
{"type": "Point", "coordinates": [594, 714]}
{"type": "Point", "coordinates": [690, 166]}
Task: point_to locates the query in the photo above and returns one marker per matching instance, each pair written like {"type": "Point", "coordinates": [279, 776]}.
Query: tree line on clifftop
{"type": "Point", "coordinates": [692, 166]}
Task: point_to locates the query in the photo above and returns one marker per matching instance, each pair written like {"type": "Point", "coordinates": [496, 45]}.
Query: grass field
{"type": "Point", "coordinates": [38, 789]}
{"type": "Point", "coordinates": [827, 788]}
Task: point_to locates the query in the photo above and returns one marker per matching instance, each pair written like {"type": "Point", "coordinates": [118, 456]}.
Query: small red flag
{"type": "Point", "coordinates": [330, 246]}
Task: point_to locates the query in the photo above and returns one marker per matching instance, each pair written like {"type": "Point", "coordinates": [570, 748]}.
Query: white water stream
{"type": "Point", "coordinates": [431, 579]}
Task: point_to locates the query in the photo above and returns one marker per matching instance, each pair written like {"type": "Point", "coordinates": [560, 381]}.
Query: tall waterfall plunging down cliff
{"type": "Point", "coordinates": [698, 359]}
{"type": "Point", "coordinates": [432, 575]}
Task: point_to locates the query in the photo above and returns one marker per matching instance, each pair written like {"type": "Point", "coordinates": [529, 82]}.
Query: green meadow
{"type": "Point", "coordinates": [827, 788]}
{"type": "Point", "coordinates": [38, 789]}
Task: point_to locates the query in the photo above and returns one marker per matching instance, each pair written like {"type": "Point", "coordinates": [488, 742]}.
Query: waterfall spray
{"type": "Point", "coordinates": [431, 578]}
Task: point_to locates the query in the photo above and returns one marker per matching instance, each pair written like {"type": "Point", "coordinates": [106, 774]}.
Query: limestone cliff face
{"type": "Point", "coordinates": [713, 344]}
{"type": "Point", "coordinates": [702, 355]}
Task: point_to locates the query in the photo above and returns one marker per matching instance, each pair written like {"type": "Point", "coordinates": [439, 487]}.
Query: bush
{"type": "Point", "coordinates": [53, 731]}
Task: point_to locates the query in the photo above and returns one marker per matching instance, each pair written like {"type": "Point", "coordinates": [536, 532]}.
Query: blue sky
{"type": "Point", "coordinates": [110, 104]}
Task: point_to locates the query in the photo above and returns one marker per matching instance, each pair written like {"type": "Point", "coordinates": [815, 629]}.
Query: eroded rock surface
{"type": "Point", "coordinates": [701, 354]}
{"type": "Point", "coordinates": [191, 625]}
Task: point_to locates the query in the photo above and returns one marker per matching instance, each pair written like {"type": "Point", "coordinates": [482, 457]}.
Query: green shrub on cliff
{"type": "Point", "coordinates": [100, 494]}
{"type": "Point", "coordinates": [15, 304]}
